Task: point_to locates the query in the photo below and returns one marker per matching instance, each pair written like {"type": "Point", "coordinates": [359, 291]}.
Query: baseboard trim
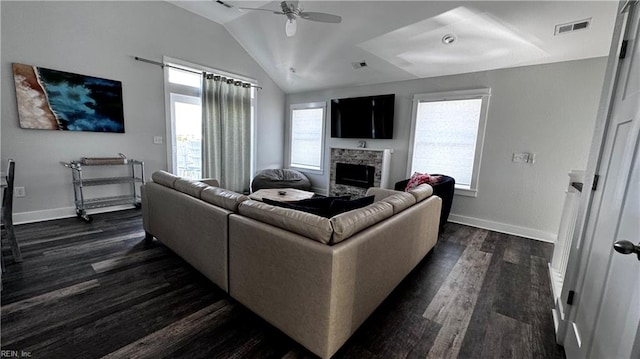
{"type": "Point", "coordinates": [68, 212]}
{"type": "Point", "coordinates": [504, 228]}
{"type": "Point", "coordinates": [58, 213]}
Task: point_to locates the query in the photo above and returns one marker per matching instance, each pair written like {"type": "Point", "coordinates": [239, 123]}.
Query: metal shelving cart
{"type": "Point", "coordinates": [136, 175]}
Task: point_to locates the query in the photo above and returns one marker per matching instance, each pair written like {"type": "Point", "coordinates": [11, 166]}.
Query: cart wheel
{"type": "Point", "coordinates": [84, 216]}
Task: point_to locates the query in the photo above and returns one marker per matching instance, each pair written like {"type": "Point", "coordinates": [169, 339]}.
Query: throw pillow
{"type": "Point", "coordinates": [419, 178]}
{"type": "Point", "coordinates": [340, 205]}
{"type": "Point", "coordinates": [290, 205]}
{"type": "Point", "coordinates": [320, 202]}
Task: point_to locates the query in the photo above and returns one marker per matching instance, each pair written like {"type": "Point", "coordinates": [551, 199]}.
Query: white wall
{"type": "Point", "coordinates": [100, 39]}
{"type": "Point", "coordinates": [546, 109]}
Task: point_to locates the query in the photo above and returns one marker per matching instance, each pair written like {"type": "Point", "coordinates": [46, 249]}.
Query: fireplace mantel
{"type": "Point", "coordinates": [378, 158]}
{"type": "Point", "coordinates": [363, 149]}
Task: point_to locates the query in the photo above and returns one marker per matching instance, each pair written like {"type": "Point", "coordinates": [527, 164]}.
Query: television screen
{"type": "Point", "coordinates": [363, 117]}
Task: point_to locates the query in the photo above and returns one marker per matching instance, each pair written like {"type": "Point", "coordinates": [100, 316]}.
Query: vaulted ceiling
{"type": "Point", "coordinates": [402, 40]}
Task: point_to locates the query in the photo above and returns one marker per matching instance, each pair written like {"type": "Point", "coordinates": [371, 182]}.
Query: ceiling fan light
{"type": "Point", "coordinates": [290, 27]}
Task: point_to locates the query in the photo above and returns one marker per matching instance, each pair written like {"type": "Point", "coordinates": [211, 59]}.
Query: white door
{"type": "Point", "coordinates": [605, 319]}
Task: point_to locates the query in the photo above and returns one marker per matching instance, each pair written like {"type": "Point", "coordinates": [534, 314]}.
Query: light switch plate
{"type": "Point", "coordinates": [157, 140]}
{"type": "Point", "coordinates": [523, 157]}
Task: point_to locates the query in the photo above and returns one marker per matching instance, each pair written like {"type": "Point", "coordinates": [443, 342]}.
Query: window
{"type": "Point", "coordinates": [448, 134]}
{"type": "Point", "coordinates": [183, 91]}
{"type": "Point", "coordinates": [306, 143]}
{"type": "Point", "coordinates": [186, 119]}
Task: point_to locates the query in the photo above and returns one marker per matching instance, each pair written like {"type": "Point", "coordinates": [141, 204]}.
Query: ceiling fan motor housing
{"type": "Point", "coordinates": [290, 9]}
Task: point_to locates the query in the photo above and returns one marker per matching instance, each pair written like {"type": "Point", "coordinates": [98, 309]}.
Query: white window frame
{"type": "Point", "coordinates": [176, 97]}
{"type": "Point", "coordinates": [177, 93]}
{"type": "Point", "coordinates": [170, 126]}
{"type": "Point", "coordinates": [481, 93]}
{"type": "Point", "coordinates": [306, 106]}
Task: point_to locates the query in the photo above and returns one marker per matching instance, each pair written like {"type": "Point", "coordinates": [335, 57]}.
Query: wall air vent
{"type": "Point", "coordinates": [359, 64]}
{"type": "Point", "coordinates": [573, 26]}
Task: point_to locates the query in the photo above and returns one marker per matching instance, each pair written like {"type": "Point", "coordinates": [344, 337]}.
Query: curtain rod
{"type": "Point", "coordinates": [162, 64]}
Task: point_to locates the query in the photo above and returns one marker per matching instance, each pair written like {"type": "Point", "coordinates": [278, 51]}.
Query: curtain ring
{"type": "Point", "coordinates": [226, 79]}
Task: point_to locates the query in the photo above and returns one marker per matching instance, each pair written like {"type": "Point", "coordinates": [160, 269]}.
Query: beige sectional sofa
{"type": "Point", "coordinates": [316, 279]}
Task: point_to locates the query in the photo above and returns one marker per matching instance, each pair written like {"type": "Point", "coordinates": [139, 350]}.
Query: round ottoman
{"type": "Point", "coordinates": [280, 178]}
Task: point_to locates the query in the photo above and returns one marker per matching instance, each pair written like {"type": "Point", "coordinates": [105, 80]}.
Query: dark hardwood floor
{"type": "Point", "coordinates": [98, 290]}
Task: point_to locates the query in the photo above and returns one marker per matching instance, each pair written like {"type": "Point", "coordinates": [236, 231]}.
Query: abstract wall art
{"type": "Point", "coordinates": [57, 100]}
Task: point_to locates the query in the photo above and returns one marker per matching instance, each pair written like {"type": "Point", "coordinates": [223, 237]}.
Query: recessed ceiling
{"type": "Point", "coordinates": [422, 50]}
{"type": "Point", "coordinates": [402, 40]}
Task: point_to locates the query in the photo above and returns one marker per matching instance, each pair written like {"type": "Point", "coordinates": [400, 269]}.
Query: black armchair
{"type": "Point", "coordinates": [443, 189]}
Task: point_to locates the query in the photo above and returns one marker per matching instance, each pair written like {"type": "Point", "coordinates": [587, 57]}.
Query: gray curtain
{"type": "Point", "coordinates": [226, 132]}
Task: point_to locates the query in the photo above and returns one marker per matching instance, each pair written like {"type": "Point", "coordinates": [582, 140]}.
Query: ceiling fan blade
{"type": "Point", "coordinates": [321, 17]}
{"type": "Point", "coordinates": [253, 8]}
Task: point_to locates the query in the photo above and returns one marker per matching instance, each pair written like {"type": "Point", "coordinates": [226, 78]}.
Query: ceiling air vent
{"type": "Point", "coordinates": [359, 64]}
{"type": "Point", "coordinates": [573, 26]}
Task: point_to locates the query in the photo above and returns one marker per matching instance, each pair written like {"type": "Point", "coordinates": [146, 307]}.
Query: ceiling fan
{"type": "Point", "coordinates": [293, 11]}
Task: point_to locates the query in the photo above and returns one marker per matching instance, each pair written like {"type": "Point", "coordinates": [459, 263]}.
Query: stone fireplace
{"type": "Point", "coordinates": [353, 170]}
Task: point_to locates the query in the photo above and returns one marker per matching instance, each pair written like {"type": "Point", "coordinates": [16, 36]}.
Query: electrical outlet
{"type": "Point", "coordinates": [19, 191]}
{"type": "Point", "coordinates": [532, 158]}
{"type": "Point", "coordinates": [157, 140]}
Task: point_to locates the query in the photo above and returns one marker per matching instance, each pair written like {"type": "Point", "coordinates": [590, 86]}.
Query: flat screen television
{"type": "Point", "coordinates": [363, 117]}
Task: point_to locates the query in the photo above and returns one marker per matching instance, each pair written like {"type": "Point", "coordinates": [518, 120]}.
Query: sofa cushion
{"type": "Point", "coordinates": [400, 201]}
{"type": "Point", "coordinates": [305, 224]}
{"type": "Point", "coordinates": [223, 198]}
{"type": "Point", "coordinates": [344, 205]}
{"type": "Point", "coordinates": [164, 178]}
{"type": "Point", "coordinates": [380, 193]}
{"type": "Point", "coordinates": [211, 182]}
{"type": "Point", "coordinates": [320, 206]}
{"type": "Point", "coordinates": [190, 187]}
{"type": "Point", "coordinates": [349, 223]}
{"type": "Point", "coordinates": [421, 192]}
